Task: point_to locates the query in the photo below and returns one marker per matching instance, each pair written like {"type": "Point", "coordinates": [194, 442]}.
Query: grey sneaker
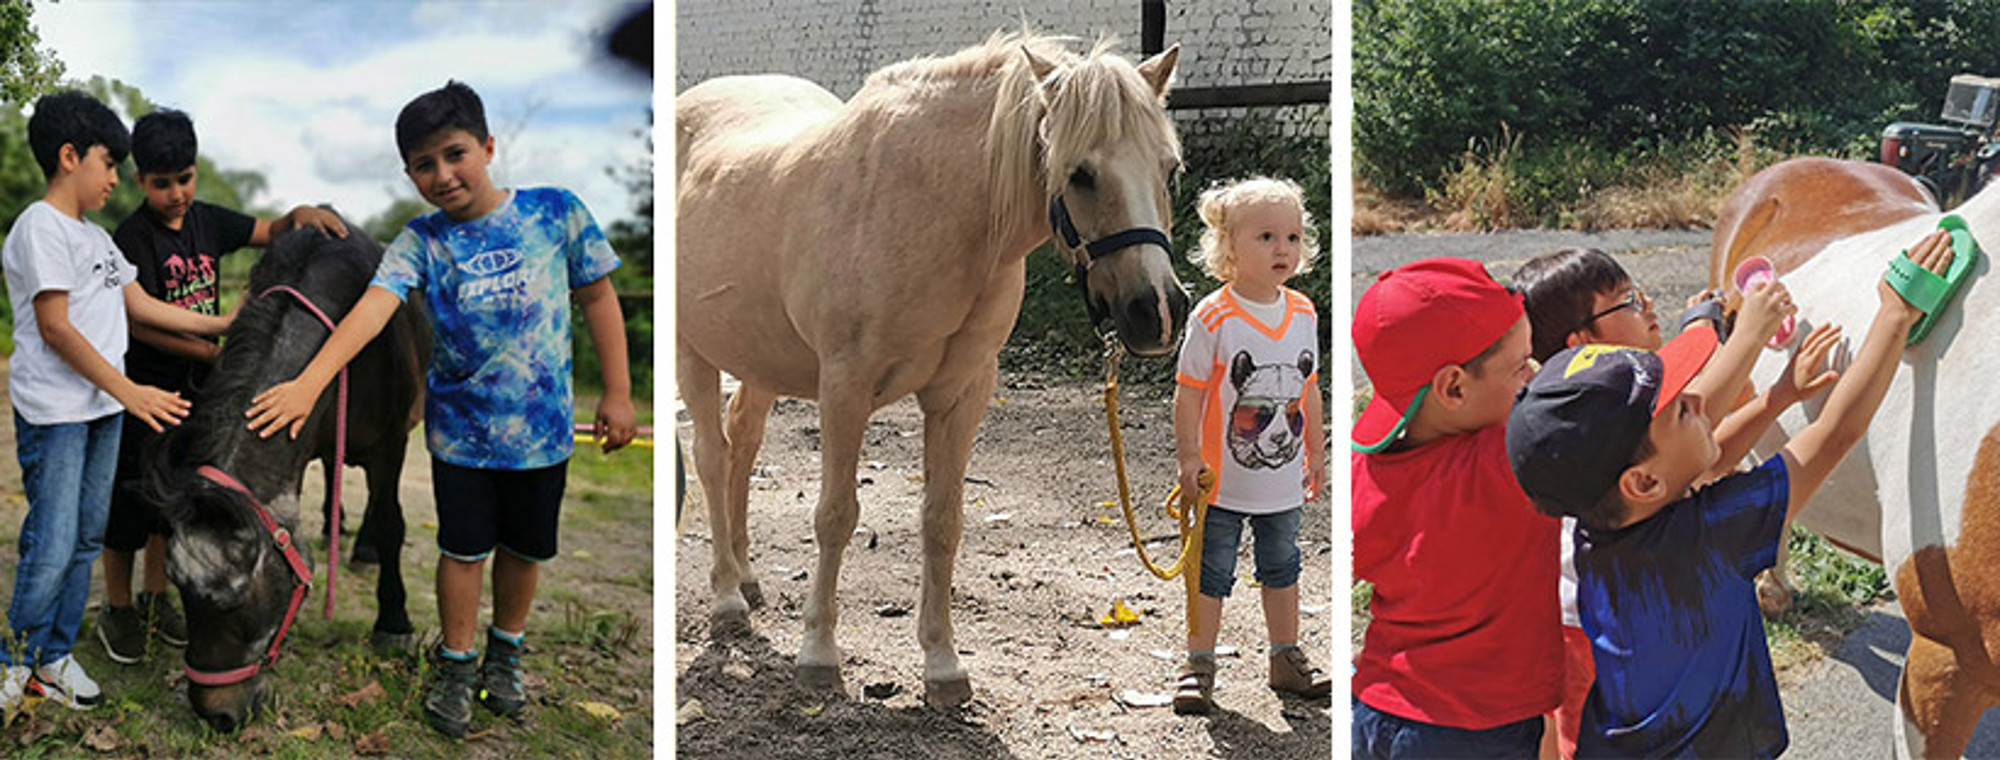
{"type": "Point", "coordinates": [448, 694]}
{"type": "Point", "coordinates": [13, 686]}
{"type": "Point", "coordinates": [500, 677]}
{"type": "Point", "coordinates": [165, 616]}
{"type": "Point", "coordinates": [123, 633]}
{"type": "Point", "coordinates": [64, 681]}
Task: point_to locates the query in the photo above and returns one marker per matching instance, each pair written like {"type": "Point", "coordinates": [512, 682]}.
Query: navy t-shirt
{"type": "Point", "coordinates": [1670, 606]}
{"type": "Point", "coordinates": [178, 267]}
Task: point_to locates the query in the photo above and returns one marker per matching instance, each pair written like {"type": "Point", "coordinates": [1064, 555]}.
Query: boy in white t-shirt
{"type": "Point", "coordinates": [71, 291]}
{"type": "Point", "coordinates": [1247, 408]}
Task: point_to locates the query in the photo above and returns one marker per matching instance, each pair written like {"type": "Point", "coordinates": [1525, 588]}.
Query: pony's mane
{"type": "Point", "coordinates": [1097, 98]}
{"type": "Point", "coordinates": [216, 423]}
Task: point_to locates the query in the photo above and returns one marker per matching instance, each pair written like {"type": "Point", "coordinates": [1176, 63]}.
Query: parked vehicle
{"type": "Point", "coordinates": [1953, 160]}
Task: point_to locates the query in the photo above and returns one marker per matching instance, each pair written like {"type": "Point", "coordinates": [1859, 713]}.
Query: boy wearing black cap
{"type": "Point", "coordinates": [1464, 650]}
{"type": "Point", "coordinates": [1664, 573]}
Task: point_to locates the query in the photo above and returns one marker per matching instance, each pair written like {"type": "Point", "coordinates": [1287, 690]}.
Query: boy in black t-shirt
{"type": "Point", "coordinates": [175, 241]}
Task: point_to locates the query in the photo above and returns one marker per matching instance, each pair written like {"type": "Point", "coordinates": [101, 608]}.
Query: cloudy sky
{"type": "Point", "coordinates": [307, 94]}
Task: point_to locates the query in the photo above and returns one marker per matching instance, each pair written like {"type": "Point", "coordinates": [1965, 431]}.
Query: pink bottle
{"type": "Point", "coordinates": [1757, 270]}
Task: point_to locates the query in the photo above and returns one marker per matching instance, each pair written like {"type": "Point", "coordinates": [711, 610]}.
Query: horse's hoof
{"type": "Point", "coordinates": [950, 695]}
{"type": "Point", "coordinates": [1773, 600]}
{"type": "Point", "coordinates": [820, 676]}
{"type": "Point", "coordinates": [753, 593]}
{"type": "Point", "coordinates": [728, 623]}
{"type": "Point", "coordinates": [383, 642]}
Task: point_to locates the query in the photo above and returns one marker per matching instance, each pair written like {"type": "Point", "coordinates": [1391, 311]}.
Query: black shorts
{"type": "Point", "coordinates": [516, 510]}
{"type": "Point", "coordinates": [132, 520]}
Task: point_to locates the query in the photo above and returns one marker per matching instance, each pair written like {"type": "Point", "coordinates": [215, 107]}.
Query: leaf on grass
{"type": "Point", "coordinates": [102, 739]}
{"type": "Point", "coordinates": [365, 695]}
{"type": "Point", "coordinates": [581, 554]}
{"type": "Point", "coordinates": [309, 733]}
{"type": "Point", "coordinates": [1119, 616]}
{"type": "Point", "coordinates": [600, 711]}
{"type": "Point", "coordinates": [371, 744]}
{"type": "Point", "coordinates": [813, 711]}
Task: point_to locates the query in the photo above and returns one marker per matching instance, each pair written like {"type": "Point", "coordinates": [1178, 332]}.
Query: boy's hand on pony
{"type": "Point", "coordinates": [1765, 308]}
{"type": "Point", "coordinates": [284, 405]}
{"type": "Point", "coordinates": [327, 222]}
{"type": "Point", "coordinates": [616, 423]}
{"type": "Point", "coordinates": [155, 407]}
{"type": "Point", "coordinates": [1803, 378]}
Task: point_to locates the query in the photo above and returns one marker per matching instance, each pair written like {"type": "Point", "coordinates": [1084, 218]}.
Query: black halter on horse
{"type": "Point", "coordinates": [1065, 231]}
{"type": "Point", "coordinates": [282, 538]}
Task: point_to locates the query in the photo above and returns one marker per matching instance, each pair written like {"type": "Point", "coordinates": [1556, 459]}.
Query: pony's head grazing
{"type": "Point", "coordinates": [1089, 136]}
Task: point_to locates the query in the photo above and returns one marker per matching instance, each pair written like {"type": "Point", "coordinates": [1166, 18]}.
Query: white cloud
{"type": "Point", "coordinates": [320, 126]}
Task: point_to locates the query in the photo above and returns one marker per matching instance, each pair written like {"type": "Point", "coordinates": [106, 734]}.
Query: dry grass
{"type": "Point", "coordinates": [1478, 196]}
{"type": "Point", "coordinates": [1377, 214]}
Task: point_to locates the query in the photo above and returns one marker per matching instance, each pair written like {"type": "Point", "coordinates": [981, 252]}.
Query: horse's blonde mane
{"type": "Point", "coordinates": [1097, 98]}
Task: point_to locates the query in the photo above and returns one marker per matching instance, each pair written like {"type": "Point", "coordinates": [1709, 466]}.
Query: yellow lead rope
{"type": "Point", "coordinates": [1186, 513]}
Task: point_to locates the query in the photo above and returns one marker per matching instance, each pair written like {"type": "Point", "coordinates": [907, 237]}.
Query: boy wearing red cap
{"type": "Point", "coordinates": [1608, 434]}
{"type": "Point", "coordinates": [1464, 651]}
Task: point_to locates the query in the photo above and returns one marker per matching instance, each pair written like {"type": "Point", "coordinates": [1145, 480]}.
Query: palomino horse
{"type": "Point", "coordinates": [238, 580]}
{"type": "Point", "coordinates": [1924, 495]}
{"type": "Point", "coordinates": [858, 253]}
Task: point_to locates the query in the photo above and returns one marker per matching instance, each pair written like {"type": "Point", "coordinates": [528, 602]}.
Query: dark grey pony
{"type": "Point", "coordinates": [234, 580]}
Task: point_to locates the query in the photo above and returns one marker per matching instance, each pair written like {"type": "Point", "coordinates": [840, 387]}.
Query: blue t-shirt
{"type": "Point", "coordinates": [1670, 606]}
{"type": "Point", "coordinates": [497, 289]}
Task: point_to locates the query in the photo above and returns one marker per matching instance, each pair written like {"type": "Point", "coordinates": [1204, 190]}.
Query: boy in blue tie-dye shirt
{"type": "Point", "coordinates": [497, 268]}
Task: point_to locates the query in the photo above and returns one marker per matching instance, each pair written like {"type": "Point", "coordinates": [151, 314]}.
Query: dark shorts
{"type": "Point", "coordinates": [1381, 736]}
{"type": "Point", "coordinates": [133, 520]}
{"type": "Point", "coordinates": [516, 510]}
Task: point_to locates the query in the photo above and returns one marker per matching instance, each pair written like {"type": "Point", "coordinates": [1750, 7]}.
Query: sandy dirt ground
{"type": "Point", "coordinates": [1045, 555]}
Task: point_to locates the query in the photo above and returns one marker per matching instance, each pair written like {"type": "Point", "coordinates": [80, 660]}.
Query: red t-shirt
{"type": "Point", "coordinates": [1466, 631]}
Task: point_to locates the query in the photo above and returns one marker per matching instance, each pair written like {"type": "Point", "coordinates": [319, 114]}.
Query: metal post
{"type": "Point", "coordinates": [1152, 27]}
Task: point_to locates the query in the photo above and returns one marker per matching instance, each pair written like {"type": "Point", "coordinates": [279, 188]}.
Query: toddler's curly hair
{"type": "Point", "coordinates": [1220, 202]}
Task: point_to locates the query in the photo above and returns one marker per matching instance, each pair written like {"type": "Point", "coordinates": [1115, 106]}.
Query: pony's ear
{"type": "Point", "coordinates": [1041, 67]}
{"type": "Point", "coordinates": [1159, 69]}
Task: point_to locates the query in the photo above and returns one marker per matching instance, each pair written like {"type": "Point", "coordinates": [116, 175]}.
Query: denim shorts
{"type": "Point", "coordinates": [479, 509]}
{"type": "Point", "coordinates": [1381, 736]}
{"type": "Point", "coordinates": [1276, 553]}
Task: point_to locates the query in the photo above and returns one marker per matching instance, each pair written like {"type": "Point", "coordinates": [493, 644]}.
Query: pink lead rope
{"type": "Point", "coordinates": [339, 451]}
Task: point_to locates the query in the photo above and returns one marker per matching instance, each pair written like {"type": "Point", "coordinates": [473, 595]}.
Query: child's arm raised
{"type": "Point", "coordinates": [151, 405]}
{"type": "Point", "coordinates": [142, 308]}
{"type": "Point", "coordinates": [290, 402]}
{"type": "Point", "coordinates": [1728, 372]}
{"type": "Point", "coordinates": [616, 422]}
{"type": "Point", "coordinates": [1812, 454]}
{"type": "Point", "coordinates": [1802, 379]}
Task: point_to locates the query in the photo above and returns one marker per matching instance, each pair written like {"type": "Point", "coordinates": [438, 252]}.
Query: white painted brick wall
{"type": "Point", "coordinates": [837, 42]}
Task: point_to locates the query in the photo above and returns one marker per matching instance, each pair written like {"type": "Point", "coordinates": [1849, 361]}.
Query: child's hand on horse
{"type": "Point", "coordinates": [616, 423]}
{"type": "Point", "coordinates": [155, 407]}
{"type": "Point", "coordinates": [327, 222]}
{"type": "Point", "coordinates": [286, 404]}
{"type": "Point", "coordinates": [1765, 308]}
{"type": "Point", "coordinates": [1933, 252]}
{"type": "Point", "coordinates": [1803, 378]}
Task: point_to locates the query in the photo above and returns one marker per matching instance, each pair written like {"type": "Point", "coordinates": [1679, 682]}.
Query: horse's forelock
{"type": "Point", "coordinates": [1102, 100]}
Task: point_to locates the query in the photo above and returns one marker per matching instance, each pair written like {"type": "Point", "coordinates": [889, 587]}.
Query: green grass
{"type": "Point", "coordinates": [590, 641]}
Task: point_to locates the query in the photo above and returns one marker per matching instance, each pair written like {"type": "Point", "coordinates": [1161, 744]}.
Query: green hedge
{"type": "Point", "coordinates": [1431, 77]}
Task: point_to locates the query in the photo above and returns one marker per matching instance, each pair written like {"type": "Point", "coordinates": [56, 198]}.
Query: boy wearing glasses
{"type": "Point", "coordinates": [1580, 296]}
{"type": "Point", "coordinates": [175, 242]}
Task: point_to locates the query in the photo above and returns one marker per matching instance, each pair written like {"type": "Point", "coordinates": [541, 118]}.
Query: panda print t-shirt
{"type": "Point", "coordinates": [1253, 372]}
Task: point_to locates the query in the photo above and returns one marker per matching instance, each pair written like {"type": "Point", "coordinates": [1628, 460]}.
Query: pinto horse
{"type": "Point", "coordinates": [860, 252]}
{"type": "Point", "coordinates": [237, 582]}
{"type": "Point", "coordinates": [1922, 495]}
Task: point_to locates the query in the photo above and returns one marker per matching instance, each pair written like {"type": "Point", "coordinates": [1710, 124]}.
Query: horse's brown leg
{"type": "Point", "coordinates": [748, 409]}
{"type": "Point", "coordinates": [1938, 702]}
{"type": "Point", "coordinates": [843, 420]}
{"type": "Point", "coordinates": [951, 420]}
{"type": "Point", "coordinates": [700, 387]}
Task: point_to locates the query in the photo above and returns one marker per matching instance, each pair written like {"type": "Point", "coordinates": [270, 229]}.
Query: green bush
{"type": "Point", "coordinates": [1435, 78]}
